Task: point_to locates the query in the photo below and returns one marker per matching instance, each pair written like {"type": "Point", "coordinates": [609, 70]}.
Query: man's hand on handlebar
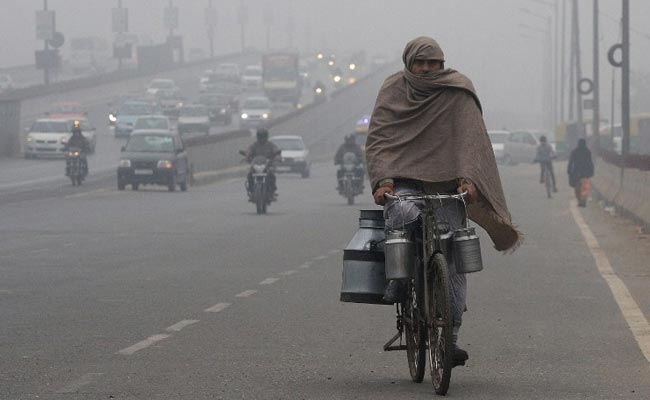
{"type": "Point", "coordinates": [467, 186]}
{"type": "Point", "coordinates": [380, 193]}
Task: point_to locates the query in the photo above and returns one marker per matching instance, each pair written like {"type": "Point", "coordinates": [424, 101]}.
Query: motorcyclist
{"type": "Point", "coordinates": [349, 146]}
{"type": "Point", "coordinates": [79, 141]}
{"type": "Point", "coordinates": [263, 147]}
{"type": "Point", "coordinates": [545, 156]}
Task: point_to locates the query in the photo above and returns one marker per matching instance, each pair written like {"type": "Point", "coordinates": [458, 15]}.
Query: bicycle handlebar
{"type": "Point", "coordinates": [460, 196]}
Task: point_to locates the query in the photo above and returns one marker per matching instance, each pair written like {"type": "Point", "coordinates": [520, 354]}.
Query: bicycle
{"type": "Point", "coordinates": [546, 178]}
{"type": "Point", "coordinates": [425, 316]}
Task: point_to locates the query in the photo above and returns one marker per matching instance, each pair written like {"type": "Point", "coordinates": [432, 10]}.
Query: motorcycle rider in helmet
{"type": "Point", "coordinates": [349, 146]}
{"type": "Point", "coordinates": [78, 140]}
{"type": "Point", "coordinates": [262, 147]}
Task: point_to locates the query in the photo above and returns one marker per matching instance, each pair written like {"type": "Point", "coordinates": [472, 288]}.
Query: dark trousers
{"type": "Point", "coordinates": [549, 165]}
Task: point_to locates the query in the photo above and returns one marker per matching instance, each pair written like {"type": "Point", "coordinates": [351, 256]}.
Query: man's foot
{"type": "Point", "coordinates": [460, 356]}
{"type": "Point", "coordinates": [395, 291]}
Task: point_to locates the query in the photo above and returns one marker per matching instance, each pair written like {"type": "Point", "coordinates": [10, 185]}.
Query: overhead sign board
{"type": "Point", "coordinates": [171, 18]}
{"type": "Point", "coordinates": [45, 25]}
{"type": "Point", "coordinates": [120, 20]}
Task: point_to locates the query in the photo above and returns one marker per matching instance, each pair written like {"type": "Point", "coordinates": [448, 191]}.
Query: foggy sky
{"type": "Point", "coordinates": [482, 38]}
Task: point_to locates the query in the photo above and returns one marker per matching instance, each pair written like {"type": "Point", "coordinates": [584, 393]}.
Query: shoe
{"type": "Point", "coordinates": [460, 356]}
{"type": "Point", "coordinates": [395, 291]}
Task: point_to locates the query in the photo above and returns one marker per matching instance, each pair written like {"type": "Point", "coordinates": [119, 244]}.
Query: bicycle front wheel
{"type": "Point", "coordinates": [415, 328]}
{"type": "Point", "coordinates": [440, 324]}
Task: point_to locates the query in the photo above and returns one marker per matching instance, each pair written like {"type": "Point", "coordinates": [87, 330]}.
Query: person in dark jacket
{"type": "Point", "coordinates": [349, 146]}
{"type": "Point", "coordinates": [263, 147]}
{"type": "Point", "coordinates": [580, 170]}
{"type": "Point", "coordinates": [79, 141]}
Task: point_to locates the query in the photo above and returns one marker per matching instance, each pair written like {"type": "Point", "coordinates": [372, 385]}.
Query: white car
{"type": "Point", "coordinates": [166, 87]}
{"type": "Point", "coordinates": [6, 83]}
{"type": "Point", "coordinates": [204, 81]}
{"type": "Point", "coordinates": [252, 77]}
{"type": "Point", "coordinates": [255, 111]}
{"type": "Point", "coordinates": [194, 118]}
{"type": "Point", "coordinates": [294, 155]}
{"type": "Point", "coordinates": [498, 139]}
{"type": "Point", "coordinates": [47, 137]}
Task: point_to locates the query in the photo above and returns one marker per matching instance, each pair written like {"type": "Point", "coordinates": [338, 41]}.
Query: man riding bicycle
{"type": "Point", "coordinates": [545, 156]}
{"type": "Point", "coordinates": [427, 136]}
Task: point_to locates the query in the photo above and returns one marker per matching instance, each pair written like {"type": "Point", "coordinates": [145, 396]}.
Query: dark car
{"type": "Point", "coordinates": [219, 106]}
{"type": "Point", "coordinates": [153, 158]}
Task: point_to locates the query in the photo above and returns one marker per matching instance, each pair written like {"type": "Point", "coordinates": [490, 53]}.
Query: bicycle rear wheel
{"type": "Point", "coordinates": [548, 183]}
{"type": "Point", "coordinates": [440, 324]}
{"type": "Point", "coordinates": [415, 328]}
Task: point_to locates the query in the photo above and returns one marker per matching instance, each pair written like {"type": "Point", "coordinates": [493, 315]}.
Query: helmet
{"type": "Point", "coordinates": [76, 123]}
{"type": "Point", "coordinates": [542, 139]}
{"type": "Point", "coordinates": [349, 139]}
{"type": "Point", "coordinates": [262, 135]}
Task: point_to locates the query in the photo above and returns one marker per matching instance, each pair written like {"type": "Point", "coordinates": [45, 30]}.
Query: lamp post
{"type": "Point", "coordinates": [545, 71]}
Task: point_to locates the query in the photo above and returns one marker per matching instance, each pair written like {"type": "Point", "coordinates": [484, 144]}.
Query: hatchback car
{"type": "Point", "coordinates": [194, 118]}
{"type": "Point", "coordinates": [294, 156]}
{"type": "Point", "coordinates": [153, 158]}
{"type": "Point", "coordinates": [128, 114]}
{"type": "Point", "coordinates": [47, 138]}
{"type": "Point", "coordinates": [152, 122]}
{"type": "Point", "coordinates": [255, 111]}
{"type": "Point", "coordinates": [521, 147]}
{"type": "Point", "coordinates": [163, 87]}
{"type": "Point", "coordinates": [219, 106]}
{"type": "Point", "coordinates": [498, 140]}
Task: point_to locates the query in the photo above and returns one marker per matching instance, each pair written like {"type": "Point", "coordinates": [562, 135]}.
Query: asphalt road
{"type": "Point", "coordinates": [191, 295]}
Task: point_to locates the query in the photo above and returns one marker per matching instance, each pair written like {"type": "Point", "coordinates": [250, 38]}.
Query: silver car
{"type": "Point", "coordinates": [498, 140]}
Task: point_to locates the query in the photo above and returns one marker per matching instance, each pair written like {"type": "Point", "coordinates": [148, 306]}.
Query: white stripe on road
{"type": "Point", "coordinates": [85, 379]}
{"type": "Point", "coordinates": [68, 244]}
{"type": "Point", "coordinates": [629, 308]}
{"type": "Point", "coordinates": [84, 194]}
{"type": "Point", "coordinates": [287, 273]}
{"type": "Point", "coordinates": [181, 324]}
{"type": "Point", "coordinates": [305, 265]}
{"type": "Point", "coordinates": [39, 251]}
{"type": "Point", "coordinates": [246, 293]}
{"type": "Point", "coordinates": [143, 344]}
{"type": "Point", "coordinates": [334, 251]}
{"type": "Point", "coordinates": [320, 258]}
{"type": "Point", "coordinates": [217, 307]}
{"type": "Point", "coordinates": [269, 281]}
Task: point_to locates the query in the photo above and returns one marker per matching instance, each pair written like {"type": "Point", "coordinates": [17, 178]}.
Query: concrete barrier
{"type": "Point", "coordinates": [629, 192]}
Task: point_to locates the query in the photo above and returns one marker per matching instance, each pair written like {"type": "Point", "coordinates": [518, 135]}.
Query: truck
{"type": "Point", "coordinates": [281, 79]}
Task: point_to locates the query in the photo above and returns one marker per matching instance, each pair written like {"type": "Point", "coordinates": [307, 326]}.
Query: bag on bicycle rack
{"type": "Point", "coordinates": [364, 277]}
{"type": "Point", "coordinates": [467, 251]}
{"type": "Point", "coordinates": [400, 255]}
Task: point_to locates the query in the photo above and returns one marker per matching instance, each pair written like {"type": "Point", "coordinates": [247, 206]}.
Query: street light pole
{"type": "Point", "coordinates": [595, 125]}
{"type": "Point", "coordinates": [625, 81]}
{"type": "Point", "coordinates": [46, 70]}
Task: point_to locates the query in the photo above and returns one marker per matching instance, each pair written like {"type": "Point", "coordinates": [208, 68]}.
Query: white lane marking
{"type": "Point", "coordinates": [143, 344]}
{"type": "Point", "coordinates": [84, 194]}
{"type": "Point", "coordinates": [287, 273]}
{"type": "Point", "coordinates": [39, 251]}
{"type": "Point", "coordinates": [5, 291]}
{"type": "Point", "coordinates": [305, 265]}
{"type": "Point", "coordinates": [68, 244]}
{"type": "Point", "coordinates": [246, 293]}
{"type": "Point", "coordinates": [85, 379]}
{"type": "Point", "coordinates": [269, 281]}
{"type": "Point", "coordinates": [320, 258]}
{"type": "Point", "coordinates": [629, 308]}
{"type": "Point", "coordinates": [334, 251]}
{"type": "Point", "coordinates": [181, 324]}
{"type": "Point", "coordinates": [217, 307]}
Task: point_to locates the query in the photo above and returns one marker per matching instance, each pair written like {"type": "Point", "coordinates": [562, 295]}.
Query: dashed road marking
{"type": "Point", "coordinates": [320, 258]}
{"type": "Point", "coordinates": [269, 281]}
{"type": "Point", "coordinates": [334, 251]}
{"type": "Point", "coordinates": [39, 251]}
{"type": "Point", "coordinates": [305, 265]}
{"type": "Point", "coordinates": [287, 273]}
{"type": "Point", "coordinates": [217, 307]}
{"type": "Point", "coordinates": [85, 379]}
{"type": "Point", "coordinates": [246, 293]}
{"type": "Point", "coordinates": [143, 344]}
{"type": "Point", "coordinates": [629, 308]}
{"type": "Point", "coordinates": [5, 291]}
{"type": "Point", "coordinates": [68, 244]}
{"type": "Point", "coordinates": [84, 194]}
{"type": "Point", "coordinates": [181, 324]}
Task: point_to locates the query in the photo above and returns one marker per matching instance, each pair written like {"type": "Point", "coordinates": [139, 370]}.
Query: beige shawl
{"type": "Point", "coordinates": [430, 128]}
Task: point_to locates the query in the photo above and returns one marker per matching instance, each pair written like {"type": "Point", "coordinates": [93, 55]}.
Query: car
{"type": "Point", "coordinates": [152, 122]}
{"type": "Point", "coordinates": [204, 81]}
{"type": "Point", "coordinates": [163, 86]}
{"type": "Point", "coordinates": [169, 104]}
{"type": "Point", "coordinates": [498, 139]}
{"type": "Point", "coordinates": [252, 77]}
{"type": "Point", "coordinates": [67, 110]}
{"type": "Point", "coordinates": [228, 72]}
{"type": "Point", "coordinates": [521, 146]}
{"type": "Point", "coordinates": [255, 111]}
{"type": "Point", "coordinates": [129, 112]}
{"type": "Point", "coordinates": [194, 118]}
{"type": "Point", "coordinates": [47, 138]}
{"type": "Point", "coordinates": [6, 83]}
{"type": "Point", "coordinates": [153, 158]}
{"type": "Point", "coordinates": [294, 155]}
{"type": "Point", "coordinates": [219, 106]}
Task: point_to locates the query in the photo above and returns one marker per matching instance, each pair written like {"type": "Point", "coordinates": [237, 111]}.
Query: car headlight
{"type": "Point", "coordinates": [244, 116]}
{"type": "Point", "coordinates": [64, 140]}
{"type": "Point", "coordinates": [112, 118]}
{"type": "Point", "coordinates": [319, 90]}
{"type": "Point", "coordinates": [265, 116]}
{"type": "Point", "coordinates": [165, 164]}
{"type": "Point", "coordinates": [124, 163]}
{"type": "Point", "coordinates": [30, 139]}
{"type": "Point", "coordinates": [337, 78]}
{"type": "Point", "coordinates": [222, 111]}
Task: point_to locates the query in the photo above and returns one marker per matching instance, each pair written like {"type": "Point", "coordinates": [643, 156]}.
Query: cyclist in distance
{"type": "Point", "coordinates": [427, 136]}
{"type": "Point", "coordinates": [545, 156]}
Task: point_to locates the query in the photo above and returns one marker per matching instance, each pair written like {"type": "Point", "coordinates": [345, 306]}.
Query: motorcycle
{"type": "Point", "coordinates": [350, 177]}
{"type": "Point", "coordinates": [259, 190]}
{"type": "Point", "coordinates": [75, 167]}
